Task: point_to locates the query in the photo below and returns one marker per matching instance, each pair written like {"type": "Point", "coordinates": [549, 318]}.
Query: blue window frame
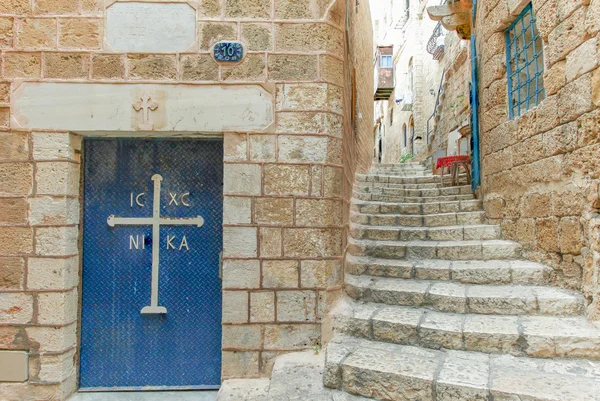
{"type": "Point", "coordinates": [524, 64]}
{"type": "Point", "coordinates": [385, 62]}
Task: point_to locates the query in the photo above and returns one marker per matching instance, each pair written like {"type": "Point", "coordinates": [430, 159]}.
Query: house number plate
{"type": "Point", "coordinates": [228, 51]}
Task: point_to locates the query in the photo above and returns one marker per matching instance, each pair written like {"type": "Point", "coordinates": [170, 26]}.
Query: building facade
{"type": "Point", "coordinates": [165, 162]}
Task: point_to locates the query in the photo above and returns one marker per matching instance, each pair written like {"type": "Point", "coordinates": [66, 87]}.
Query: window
{"type": "Point", "coordinates": [524, 64]}
{"type": "Point", "coordinates": [385, 62]}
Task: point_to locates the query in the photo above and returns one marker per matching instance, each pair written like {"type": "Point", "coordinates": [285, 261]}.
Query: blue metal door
{"type": "Point", "coordinates": [151, 296]}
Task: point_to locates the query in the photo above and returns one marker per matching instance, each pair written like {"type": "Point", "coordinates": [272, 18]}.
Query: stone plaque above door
{"type": "Point", "coordinates": [150, 27]}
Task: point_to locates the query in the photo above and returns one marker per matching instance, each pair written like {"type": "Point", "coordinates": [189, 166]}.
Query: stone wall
{"type": "Point", "coordinates": [541, 170]}
{"type": "Point", "coordinates": [284, 186]}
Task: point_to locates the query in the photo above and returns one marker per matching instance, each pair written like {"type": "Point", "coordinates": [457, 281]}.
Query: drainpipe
{"type": "Point", "coordinates": [475, 159]}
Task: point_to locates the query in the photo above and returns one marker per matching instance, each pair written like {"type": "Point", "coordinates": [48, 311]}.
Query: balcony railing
{"type": "Point", "coordinates": [433, 46]}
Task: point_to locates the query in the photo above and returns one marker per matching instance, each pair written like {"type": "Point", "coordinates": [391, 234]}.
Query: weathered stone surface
{"type": "Point", "coordinates": [235, 307]}
{"type": "Point", "coordinates": [291, 336]}
{"type": "Point", "coordinates": [315, 212]}
{"type": "Point", "coordinates": [38, 33]}
{"type": "Point", "coordinates": [296, 306]}
{"type": "Point", "coordinates": [280, 274]}
{"type": "Point", "coordinates": [305, 242]}
{"type": "Point", "coordinates": [292, 67]}
{"type": "Point", "coordinates": [151, 27]}
{"type": "Point", "coordinates": [262, 148]}
{"type": "Point", "coordinates": [80, 33]}
{"type": "Point", "coordinates": [257, 36]}
{"type": "Point", "coordinates": [57, 308]}
{"type": "Point", "coordinates": [66, 65]}
{"type": "Point", "coordinates": [252, 68]}
{"type": "Point", "coordinates": [152, 67]}
{"type": "Point", "coordinates": [240, 364]}
{"type": "Point", "coordinates": [274, 210]}
{"type": "Point", "coordinates": [213, 32]}
{"type": "Point", "coordinates": [240, 242]}
{"type": "Point", "coordinates": [14, 146]}
{"type": "Point", "coordinates": [57, 178]}
{"type": "Point", "coordinates": [270, 242]}
{"type": "Point", "coordinates": [242, 179]}
{"type": "Point", "coordinates": [242, 336]}
{"type": "Point", "coordinates": [237, 210]}
{"type": "Point", "coordinates": [241, 274]}
{"type": "Point", "coordinates": [303, 149]}
{"type": "Point", "coordinates": [199, 67]}
{"type": "Point", "coordinates": [12, 273]}
{"type": "Point", "coordinates": [294, 37]}
{"type": "Point", "coordinates": [108, 66]}
{"type": "Point", "coordinates": [52, 273]}
{"type": "Point", "coordinates": [16, 240]}
{"type": "Point", "coordinates": [22, 65]}
{"type": "Point", "coordinates": [286, 179]}
{"type": "Point", "coordinates": [262, 307]}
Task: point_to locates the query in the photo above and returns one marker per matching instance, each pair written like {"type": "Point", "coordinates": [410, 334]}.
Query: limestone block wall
{"type": "Point", "coordinates": [541, 171]}
{"type": "Point", "coordinates": [453, 110]}
{"type": "Point", "coordinates": [283, 191]}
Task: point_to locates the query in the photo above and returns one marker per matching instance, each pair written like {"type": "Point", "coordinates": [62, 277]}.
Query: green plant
{"type": "Point", "coordinates": [318, 348]}
{"type": "Point", "coordinates": [406, 158]}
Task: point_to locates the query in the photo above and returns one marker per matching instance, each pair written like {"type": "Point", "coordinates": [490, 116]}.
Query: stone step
{"type": "Point", "coordinates": [428, 192]}
{"type": "Point", "coordinates": [535, 336]}
{"type": "Point", "coordinates": [411, 199]}
{"type": "Point", "coordinates": [398, 179]}
{"type": "Point", "coordinates": [450, 250]}
{"type": "Point", "coordinates": [419, 220]}
{"type": "Point", "coordinates": [468, 272]}
{"type": "Point", "coordinates": [439, 233]}
{"type": "Point", "coordinates": [394, 372]}
{"type": "Point", "coordinates": [371, 207]}
{"type": "Point", "coordinates": [444, 296]}
{"type": "Point", "coordinates": [379, 185]}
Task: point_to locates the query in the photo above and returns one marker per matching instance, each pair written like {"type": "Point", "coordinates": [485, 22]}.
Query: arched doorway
{"type": "Point", "coordinates": [404, 139]}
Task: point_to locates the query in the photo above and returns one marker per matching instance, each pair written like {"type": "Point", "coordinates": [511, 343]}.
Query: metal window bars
{"type": "Point", "coordinates": [524, 64]}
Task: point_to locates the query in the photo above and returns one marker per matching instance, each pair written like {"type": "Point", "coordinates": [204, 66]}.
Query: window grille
{"type": "Point", "coordinates": [386, 62]}
{"type": "Point", "coordinates": [524, 64]}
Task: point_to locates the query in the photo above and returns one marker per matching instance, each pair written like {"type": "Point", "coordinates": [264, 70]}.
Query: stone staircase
{"type": "Point", "coordinates": [440, 307]}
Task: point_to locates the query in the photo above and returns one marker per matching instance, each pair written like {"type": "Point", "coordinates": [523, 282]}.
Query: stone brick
{"type": "Point", "coordinates": [240, 242]}
{"type": "Point", "coordinates": [298, 97]}
{"type": "Point", "coordinates": [262, 147]}
{"type": "Point", "coordinates": [16, 308]}
{"type": "Point", "coordinates": [4, 117]}
{"type": "Point", "coordinates": [55, 7]}
{"type": "Point", "coordinates": [199, 67]}
{"type": "Point", "coordinates": [211, 8]}
{"type": "Point", "coordinates": [235, 147]}
{"type": "Point", "coordinates": [66, 65]}
{"type": "Point", "coordinates": [291, 336]}
{"type": "Point", "coordinates": [17, 179]}
{"type": "Point", "coordinates": [270, 242]}
{"type": "Point", "coordinates": [583, 161]}
{"type": "Point", "coordinates": [56, 368]}
{"type": "Point", "coordinates": [296, 306]}
{"type": "Point", "coordinates": [252, 68]}
{"type": "Point", "coordinates": [57, 178]}
{"type": "Point", "coordinates": [300, 122]}
{"type": "Point", "coordinates": [571, 235]}
{"type": "Point", "coordinates": [303, 149]}
{"type": "Point", "coordinates": [297, 9]}
{"type": "Point", "coordinates": [235, 307]}
{"type": "Point", "coordinates": [13, 211]}
{"type": "Point", "coordinates": [16, 240]}
{"type": "Point", "coordinates": [555, 77]}
{"type": "Point", "coordinates": [92, 7]}
{"type": "Point", "coordinates": [240, 364]}
{"type": "Point", "coordinates": [288, 67]}
{"type": "Point", "coordinates": [562, 139]}
{"type": "Point", "coordinates": [242, 179]}
{"type": "Point", "coordinates": [588, 128]}
{"type": "Point", "coordinates": [316, 181]}
{"type": "Point", "coordinates": [237, 210]}
{"type": "Point", "coordinates": [583, 59]}
{"type": "Point", "coordinates": [547, 234]}
{"type": "Point", "coordinates": [596, 87]}
{"type": "Point", "coordinates": [309, 37]}
{"type": "Point", "coordinates": [52, 273]}
{"type": "Point", "coordinates": [287, 179]}
{"type": "Point", "coordinates": [152, 66]}
{"type": "Point", "coordinates": [318, 212]}
{"type": "Point", "coordinates": [36, 33]}
{"type": "Point", "coordinates": [5, 92]}
{"type": "Point", "coordinates": [213, 32]}
{"type": "Point", "coordinates": [47, 210]}
{"type": "Point", "coordinates": [108, 66]}
{"type": "Point", "coordinates": [55, 146]}
{"type": "Point", "coordinates": [274, 211]}
{"type": "Point", "coordinates": [52, 339]}
{"type": "Point", "coordinates": [320, 273]}
{"type": "Point", "coordinates": [592, 18]}
{"type": "Point", "coordinates": [280, 274]}
{"type": "Point", "coordinates": [22, 65]}
{"type": "Point", "coordinates": [526, 232]}
{"type": "Point", "coordinates": [546, 114]}
{"type": "Point", "coordinates": [248, 8]}
{"type": "Point", "coordinates": [567, 36]}
{"type": "Point", "coordinates": [241, 274]}
{"type": "Point", "coordinates": [12, 273]}
{"type": "Point", "coordinates": [569, 202]}
{"type": "Point", "coordinates": [310, 242]}
{"type": "Point", "coordinates": [13, 338]}
{"type": "Point", "coordinates": [257, 36]}
{"type": "Point", "coordinates": [333, 181]}
{"type": "Point", "coordinates": [56, 241]}
{"type": "Point", "coordinates": [575, 98]}
{"type": "Point", "coordinates": [262, 307]}
{"type": "Point", "coordinates": [547, 18]}
{"type": "Point", "coordinates": [242, 336]}
{"type": "Point", "coordinates": [15, 7]}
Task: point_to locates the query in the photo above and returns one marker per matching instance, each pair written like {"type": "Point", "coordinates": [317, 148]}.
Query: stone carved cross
{"type": "Point", "coordinates": [146, 104]}
{"type": "Point", "coordinates": [155, 221]}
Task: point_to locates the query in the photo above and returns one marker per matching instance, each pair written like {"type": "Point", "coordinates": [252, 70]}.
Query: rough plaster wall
{"type": "Point", "coordinates": [274, 296]}
{"type": "Point", "coordinates": [541, 171]}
